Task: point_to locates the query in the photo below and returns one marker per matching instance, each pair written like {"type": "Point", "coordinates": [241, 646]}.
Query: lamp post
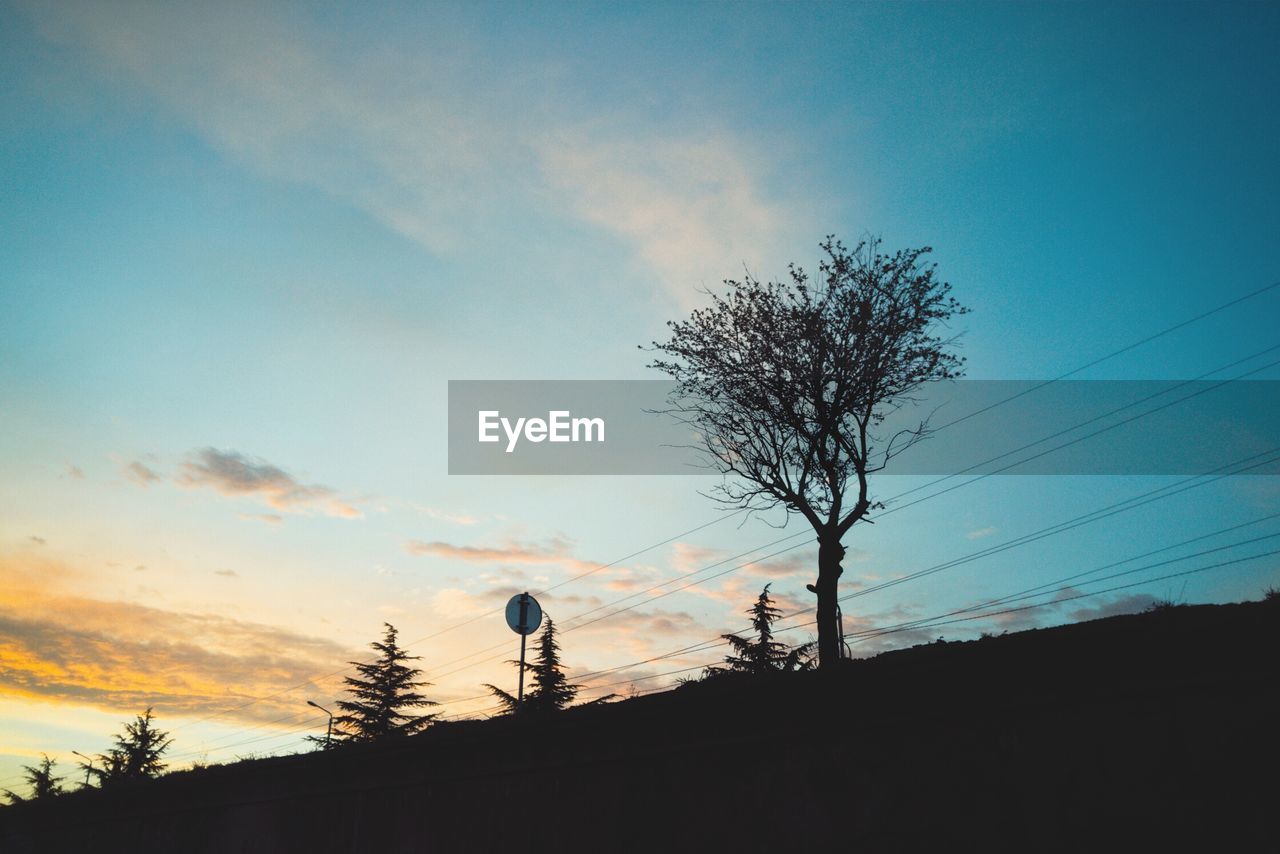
{"type": "Point", "coordinates": [88, 769]}
{"type": "Point", "coordinates": [328, 735]}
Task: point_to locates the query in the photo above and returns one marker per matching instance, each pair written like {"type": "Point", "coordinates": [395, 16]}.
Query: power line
{"type": "Point", "coordinates": [1192, 482]}
{"type": "Point", "coordinates": [1020, 394]}
{"type": "Point", "coordinates": [1036, 590]}
{"type": "Point", "coordinates": [1093, 363]}
{"type": "Point", "coordinates": [934, 495]}
{"type": "Point", "coordinates": [1121, 351]}
{"type": "Point", "coordinates": [1074, 427]}
{"type": "Point", "coordinates": [1074, 597]}
{"type": "Point", "coordinates": [1061, 527]}
{"type": "Point", "coordinates": [1077, 521]}
{"type": "Point", "coordinates": [931, 622]}
{"type": "Point", "coordinates": [345, 669]}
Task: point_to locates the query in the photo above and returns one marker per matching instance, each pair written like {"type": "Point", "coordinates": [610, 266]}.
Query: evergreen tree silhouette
{"type": "Point", "coordinates": [136, 755]}
{"type": "Point", "coordinates": [41, 780]}
{"type": "Point", "coordinates": [763, 654]}
{"type": "Point", "coordinates": [380, 695]}
{"type": "Point", "coordinates": [549, 688]}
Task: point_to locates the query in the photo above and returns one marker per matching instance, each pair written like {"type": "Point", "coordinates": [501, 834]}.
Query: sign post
{"type": "Point", "coordinates": [524, 615]}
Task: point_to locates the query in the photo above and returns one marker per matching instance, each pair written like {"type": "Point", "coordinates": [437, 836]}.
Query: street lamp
{"type": "Point", "coordinates": [328, 736]}
{"type": "Point", "coordinates": [88, 769]}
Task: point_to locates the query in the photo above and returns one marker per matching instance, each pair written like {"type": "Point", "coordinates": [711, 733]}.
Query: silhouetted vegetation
{"type": "Point", "coordinates": [1063, 732]}
{"type": "Point", "coordinates": [381, 694]}
{"type": "Point", "coordinates": [136, 755]}
{"type": "Point", "coordinates": [789, 382]}
{"type": "Point", "coordinates": [41, 781]}
{"type": "Point", "coordinates": [763, 654]}
{"type": "Point", "coordinates": [549, 688]}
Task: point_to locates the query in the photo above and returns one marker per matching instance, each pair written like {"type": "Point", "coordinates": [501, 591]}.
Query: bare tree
{"type": "Point", "coordinates": [789, 384]}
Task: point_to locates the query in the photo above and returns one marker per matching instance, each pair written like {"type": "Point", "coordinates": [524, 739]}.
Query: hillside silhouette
{"type": "Point", "coordinates": [1147, 731]}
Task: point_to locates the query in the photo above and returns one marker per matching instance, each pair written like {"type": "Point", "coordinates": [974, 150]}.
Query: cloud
{"type": "Point", "coordinates": [784, 567]}
{"type": "Point", "coordinates": [656, 623]}
{"type": "Point", "coordinates": [688, 558]}
{"type": "Point", "coordinates": [74, 471]}
{"type": "Point", "coordinates": [456, 603]}
{"type": "Point", "coordinates": [1131, 603]}
{"type": "Point", "coordinates": [122, 656]}
{"type": "Point", "coordinates": [438, 142]}
{"type": "Point", "coordinates": [140, 473]}
{"type": "Point", "coordinates": [455, 518]}
{"type": "Point", "coordinates": [39, 541]}
{"type": "Point", "coordinates": [980, 533]}
{"type": "Point", "coordinates": [553, 551]}
{"type": "Point", "coordinates": [232, 473]}
{"type": "Point", "coordinates": [268, 518]}
{"type": "Point", "coordinates": [226, 573]}
{"type": "Point", "coordinates": [693, 206]}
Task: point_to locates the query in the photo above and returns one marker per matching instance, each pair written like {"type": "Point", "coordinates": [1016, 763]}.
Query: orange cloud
{"type": "Point", "coordinates": [123, 656]}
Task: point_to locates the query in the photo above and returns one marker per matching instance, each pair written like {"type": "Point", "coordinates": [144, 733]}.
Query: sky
{"type": "Point", "coordinates": [243, 249]}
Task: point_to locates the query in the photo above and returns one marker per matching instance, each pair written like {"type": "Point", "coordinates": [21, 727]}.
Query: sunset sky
{"type": "Point", "coordinates": [244, 248]}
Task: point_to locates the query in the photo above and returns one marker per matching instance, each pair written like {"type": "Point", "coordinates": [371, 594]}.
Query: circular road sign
{"type": "Point", "coordinates": [524, 614]}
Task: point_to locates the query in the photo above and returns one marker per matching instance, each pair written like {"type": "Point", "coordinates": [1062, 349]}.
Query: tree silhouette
{"type": "Point", "coordinates": [381, 693]}
{"type": "Point", "coordinates": [763, 654]}
{"type": "Point", "coordinates": [135, 756]}
{"type": "Point", "coordinates": [41, 779]}
{"type": "Point", "coordinates": [788, 385]}
{"type": "Point", "coordinates": [549, 690]}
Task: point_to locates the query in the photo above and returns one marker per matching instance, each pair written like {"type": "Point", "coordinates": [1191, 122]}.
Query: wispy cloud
{"type": "Point", "coordinates": [980, 533]}
{"type": "Point", "coordinates": [553, 551]}
{"type": "Point", "coordinates": [436, 142]}
{"type": "Point", "coordinates": [443, 516]}
{"type": "Point", "coordinates": [234, 474]}
{"type": "Point", "coordinates": [140, 473]}
{"type": "Point", "coordinates": [267, 518]}
{"type": "Point", "coordinates": [687, 558]}
{"type": "Point", "coordinates": [693, 207]}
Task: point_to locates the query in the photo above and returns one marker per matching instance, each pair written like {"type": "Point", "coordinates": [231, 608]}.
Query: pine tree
{"type": "Point", "coordinates": [136, 755]}
{"type": "Point", "coordinates": [549, 688]}
{"type": "Point", "coordinates": [41, 780]}
{"type": "Point", "coordinates": [764, 654]}
{"type": "Point", "coordinates": [380, 695]}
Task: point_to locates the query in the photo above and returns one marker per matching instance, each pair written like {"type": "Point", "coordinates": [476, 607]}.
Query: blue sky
{"type": "Point", "coordinates": [279, 230]}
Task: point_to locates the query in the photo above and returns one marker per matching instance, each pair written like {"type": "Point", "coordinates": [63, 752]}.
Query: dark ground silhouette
{"type": "Point", "coordinates": [1147, 732]}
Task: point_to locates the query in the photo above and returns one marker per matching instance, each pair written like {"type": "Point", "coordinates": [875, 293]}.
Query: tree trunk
{"type": "Point", "coordinates": [830, 553]}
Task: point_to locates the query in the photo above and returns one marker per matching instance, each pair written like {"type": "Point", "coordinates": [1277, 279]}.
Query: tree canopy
{"type": "Point", "coordinates": [763, 654]}
{"type": "Point", "coordinates": [135, 756]}
{"type": "Point", "coordinates": [41, 781]}
{"type": "Point", "coordinates": [789, 383]}
{"type": "Point", "coordinates": [549, 688]}
{"type": "Point", "coordinates": [383, 695]}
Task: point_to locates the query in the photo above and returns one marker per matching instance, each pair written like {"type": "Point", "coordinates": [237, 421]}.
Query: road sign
{"type": "Point", "coordinates": [524, 614]}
